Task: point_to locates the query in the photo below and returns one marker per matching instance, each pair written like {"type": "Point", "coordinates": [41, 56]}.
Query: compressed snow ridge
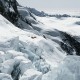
{"type": "Point", "coordinates": [4, 76]}
{"type": "Point", "coordinates": [31, 74]}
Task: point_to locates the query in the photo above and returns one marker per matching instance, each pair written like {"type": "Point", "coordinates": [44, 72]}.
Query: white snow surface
{"type": "Point", "coordinates": [65, 24]}
{"type": "Point", "coordinates": [31, 56]}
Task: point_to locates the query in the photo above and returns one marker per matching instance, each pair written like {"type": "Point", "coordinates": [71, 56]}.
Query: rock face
{"type": "Point", "coordinates": [11, 10]}
{"type": "Point", "coordinates": [70, 44]}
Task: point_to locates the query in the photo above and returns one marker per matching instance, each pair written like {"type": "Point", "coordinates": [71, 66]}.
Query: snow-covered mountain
{"type": "Point", "coordinates": [18, 15]}
{"type": "Point", "coordinates": [37, 48]}
{"type": "Point", "coordinates": [38, 13]}
{"type": "Point", "coordinates": [44, 14]}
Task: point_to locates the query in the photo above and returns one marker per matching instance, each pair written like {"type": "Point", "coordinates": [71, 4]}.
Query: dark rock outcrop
{"type": "Point", "coordinates": [73, 44]}
{"type": "Point", "coordinates": [11, 10]}
{"type": "Point", "coordinates": [8, 8]}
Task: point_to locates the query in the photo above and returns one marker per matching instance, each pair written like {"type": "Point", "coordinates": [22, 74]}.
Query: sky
{"type": "Point", "coordinates": [49, 5]}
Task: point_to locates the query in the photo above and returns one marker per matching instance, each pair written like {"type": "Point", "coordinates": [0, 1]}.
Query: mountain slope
{"type": "Point", "coordinates": [38, 48]}
{"type": "Point", "coordinates": [25, 55]}
{"type": "Point", "coordinates": [16, 14]}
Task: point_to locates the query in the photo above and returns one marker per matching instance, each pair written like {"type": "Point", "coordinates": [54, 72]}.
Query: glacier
{"type": "Point", "coordinates": [39, 48]}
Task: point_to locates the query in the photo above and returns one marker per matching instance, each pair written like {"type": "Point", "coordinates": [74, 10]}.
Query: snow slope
{"type": "Point", "coordinates": [37, 54]}
{"type": "Point", "coordinates": [65, 24]}
{"type": "Point", "coordinates": [20, 47]}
